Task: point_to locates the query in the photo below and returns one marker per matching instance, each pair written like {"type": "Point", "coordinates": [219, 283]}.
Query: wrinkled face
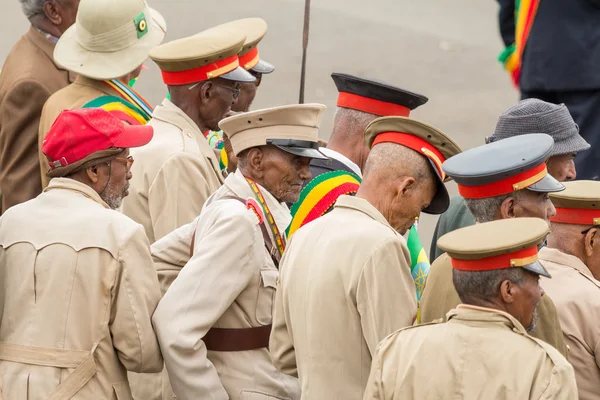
{"type": "Point", "coordinates": [408, 205]}
{"type": "Point", "coordinates": [527, 296]}
{"type": "Point", "coordinates": [118, 174]}
{"type": "Point", "coordinates": [534, 204]}
{"type": "Point", "coordinates": [247, 94]}
{"type": "Point", "coordinates": [284, 174]}
{"type": "Point", "coordinates": [562, 167]}
{"type": "Point", "coordinates": [217, 100]}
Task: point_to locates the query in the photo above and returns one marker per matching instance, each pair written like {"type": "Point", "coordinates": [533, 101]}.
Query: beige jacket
{"type": "Point", "coordinates": [439, 297]}
{"type": "Point", "coordinates": [478, 354]}
{"type": "Point", "coordinates": [345, 284]}
{"type": "Point", "coordinates": [77, 294]}
{"type": "Point", "coordinates": [76, 95]}
{"type": "Point", "coordinates": [173, 175]}
{"type": "Point", "coordinates": [228, 283]}
{"type": "Point", "coordinates": [29, 76]}
{"type": "Point", "coordinates": [577, 297]}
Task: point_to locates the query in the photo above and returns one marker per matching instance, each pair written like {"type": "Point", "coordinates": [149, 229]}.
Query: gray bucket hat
{"type": "Point", "coordinates": [537, 116]}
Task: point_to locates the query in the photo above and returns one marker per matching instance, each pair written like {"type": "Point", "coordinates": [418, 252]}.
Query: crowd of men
{"type": "Point", "coordinates": [200, 250]}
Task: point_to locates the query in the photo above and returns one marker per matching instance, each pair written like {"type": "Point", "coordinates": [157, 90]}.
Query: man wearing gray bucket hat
{"type": "Point", "coordinates": [527, 116]}
{"type": "Point", "coordinates": [106, 46]}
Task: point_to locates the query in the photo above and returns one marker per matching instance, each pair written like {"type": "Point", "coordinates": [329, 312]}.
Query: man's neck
{"type": "Point", "coordinates": [348, 147]}
{"type": "Point", "coordinates": [46, 26]}
{"type": "Point", "coordinates": [192, 111]}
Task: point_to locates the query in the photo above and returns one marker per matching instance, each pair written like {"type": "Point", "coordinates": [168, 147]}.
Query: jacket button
{"type": "Point", "coordinates": [189, 135]}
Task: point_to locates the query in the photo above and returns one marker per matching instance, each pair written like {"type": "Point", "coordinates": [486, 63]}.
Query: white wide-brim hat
{"type": "Point", "coordinates": [110, 38]}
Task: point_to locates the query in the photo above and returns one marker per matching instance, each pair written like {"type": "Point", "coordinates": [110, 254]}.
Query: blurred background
{"type": "Point", "coordinates": [443, 49]}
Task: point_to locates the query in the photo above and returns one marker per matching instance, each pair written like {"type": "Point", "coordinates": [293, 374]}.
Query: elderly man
{"type": "Point", "coordinates": [527, 116]}
{"type": "Point", "coordinates": [357, 256]}
{"type": "Point", "coordinates": [178, 170]}
{"type": "Point", "coordinates": [573, 259]}
{"type": "Point", "coordinates": [28, 78]}
{"type": "Point", "coordinates": [360, 101]}
{"type": "Point", "coordinates": [500, 180]}
{"type": "Point", "coordinates": [106, 56]}
{"type": "Point", "coordinates": [213, 323]}
{"type": "Point", "coordinates": [483, 351]}
{"type": "Point", "coordinates": [79, 290]}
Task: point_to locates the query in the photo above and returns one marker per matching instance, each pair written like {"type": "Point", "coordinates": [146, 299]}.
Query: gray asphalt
{"type": "Point", "coordinates": [444, 49]}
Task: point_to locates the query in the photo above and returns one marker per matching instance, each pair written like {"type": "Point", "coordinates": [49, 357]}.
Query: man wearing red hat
{"type": "Point", "coordinates": [80, 288]}
{"type": "Point", "coordinates": [360, 101]}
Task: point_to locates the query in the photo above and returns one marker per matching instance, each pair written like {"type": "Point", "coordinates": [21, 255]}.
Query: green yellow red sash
{"type": "Point", "coordinates": [128, 106]}
{"type": "Point", "coordinates": [319, 196]}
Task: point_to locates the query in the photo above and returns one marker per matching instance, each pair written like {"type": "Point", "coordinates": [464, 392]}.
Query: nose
{"type": "Point", "coordinates": [551, 209]}
{"type": "Point", "coordinates": [304, 172]}
{"type": "Point", "coordinates": [129, 175]}
{"type": "Point", "coordinates": [571, 172]}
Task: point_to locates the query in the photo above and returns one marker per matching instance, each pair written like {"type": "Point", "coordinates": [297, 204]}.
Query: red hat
{"type": "Point", "coordinates": [77, 134]}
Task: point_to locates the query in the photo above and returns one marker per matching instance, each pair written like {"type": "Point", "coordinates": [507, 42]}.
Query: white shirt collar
{"type": "Point", "coordinates": [341, 158]}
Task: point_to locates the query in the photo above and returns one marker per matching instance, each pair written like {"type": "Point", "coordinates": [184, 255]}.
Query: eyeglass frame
{"type": "Point", "coordinates": [234, 90]}
{"type": "Point", "coordinates": [127, 161]}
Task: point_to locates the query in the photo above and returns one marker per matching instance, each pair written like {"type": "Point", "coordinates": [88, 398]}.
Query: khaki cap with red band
{"type": "Point", "coordinates": [505, 243]}
{"type": "Point", "coordinates": [375, 97]}
{"type": "Point", "coordinates": [208, 55]}
{"type": "Point", "coordinates": [504, 167]}
{"type": "Point", "coordinates": [426, 140]}
{"type": "Point", "coordinates": [578, 204]}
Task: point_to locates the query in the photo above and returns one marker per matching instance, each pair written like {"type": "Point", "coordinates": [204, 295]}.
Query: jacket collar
{"type": "Point", "coordinates": [77, 187]}
{"type": "Point", "coordinates": [558, 257]}
{"type": "Point", "coordinates": [474, 315]}
{"type": "Point", "coordinates": [100, 86]}
{"type": "Point", "coordinates": [47, 47]}
{"type": "Point", "coordinates": [171, 114]}
{"type": "Point", "coordinates": [363, 206]}
{"type": "Point", "coordinates": [237, 183]}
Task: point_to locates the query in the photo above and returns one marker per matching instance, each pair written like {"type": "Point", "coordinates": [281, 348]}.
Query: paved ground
{"type": "Point", "coordinates": [445, 50]}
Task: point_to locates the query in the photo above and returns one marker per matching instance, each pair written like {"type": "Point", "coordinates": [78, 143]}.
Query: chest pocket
{"type": "Point", "coordinates": [266, 295]}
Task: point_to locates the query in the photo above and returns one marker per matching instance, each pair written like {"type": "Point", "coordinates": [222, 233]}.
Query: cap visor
{"type": "Point", "coordinates": [239, 75]}
{"type": "Point", "coordinates": [441, 201]}
{"type": "Point", "coordinates": [537, 268]}
{"type": "Point", "coordinates": [304, 152]}
{"type": "Point", "coordinates": [263, 67]}
{"type": "Point", "coordinates": [547, 185]}
{"type": "Point", "coordinates": [69, 54]}
{"type": "Point", "coordinates": [135, 136]}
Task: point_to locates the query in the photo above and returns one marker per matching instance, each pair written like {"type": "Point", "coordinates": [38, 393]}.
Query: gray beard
{"type": "Point", "coordinates": [112, 198]}
{"type": "Point", "coordinates": [533, 324]}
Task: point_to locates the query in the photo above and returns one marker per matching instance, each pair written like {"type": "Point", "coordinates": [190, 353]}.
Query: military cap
{"type": "Point", "coordinates": [578, 204]}
{"type": "Point", "coordinates": [254, 29]}
{"type": "Point", "coordinates": [426, 140]}
{"type": "Point", "coordinates": [293, 128]}
{"type": "Point", "coordinates": [504, 167]}
{"type": "Point", "coordinates": [207, 55]}
{"type": "Point", "coordinates": [504, 243]}
{"type": "Point", "coordinates": [375, 97]}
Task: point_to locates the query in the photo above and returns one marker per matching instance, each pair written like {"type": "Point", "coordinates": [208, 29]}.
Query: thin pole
{"type": "Point", "coordinates": [304, 48]}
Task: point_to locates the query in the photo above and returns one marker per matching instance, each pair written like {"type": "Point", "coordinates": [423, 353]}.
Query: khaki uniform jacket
{"type": "Point", "coordinates": [577, 297]}
{"type": "Point", "coordinates": [229, 282]}
{"type": "Point", "coordinates": [345, 284]}
{"type": "Point", "coordinates": [76, 95]}
{"type": "Point", "coordinates": [478, 354]}
{"type": "Point", "coordinates": [28, 78]}
{"type": "Point", "coordinates": [75, 277]}
{"type": "Point", "coordinates": [439, 297]}
{"type": "Point", "coordinates": [173, 175]}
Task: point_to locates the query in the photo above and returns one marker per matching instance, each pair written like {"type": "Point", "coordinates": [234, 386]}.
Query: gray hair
{"type": "Point", "coordinates": [32, 8]}
{"type": "Point", "coordinates": [485, 210]}
{"type": "Point", "coordinates": [395, 160]}
{"type": "Point", "coordinates": [348, 117]}
{"type": "Point", "coordinates": [483, 285]}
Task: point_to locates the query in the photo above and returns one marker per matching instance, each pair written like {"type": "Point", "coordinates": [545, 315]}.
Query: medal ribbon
{"type": "Point", "coordinates": [269, 217]}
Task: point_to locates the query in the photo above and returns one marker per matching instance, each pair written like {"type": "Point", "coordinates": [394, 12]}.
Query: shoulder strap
{"type": "Point", "coordinates": [265, 233]}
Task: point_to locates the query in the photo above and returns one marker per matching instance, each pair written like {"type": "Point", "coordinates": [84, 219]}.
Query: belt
{"type": "Point", "coordinates": [82, 361]}
{"type": "Point", "coordinates": [221, 339]}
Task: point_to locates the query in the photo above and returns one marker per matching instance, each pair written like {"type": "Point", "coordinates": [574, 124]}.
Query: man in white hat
{"type": "Point", "coordinates": [29, 76]}
{"type": "Point", "coordinates": [179, 169]}
{"type": "Point", "coordinates": [106, 47]}
{"type": "Point", "coordinates": [214, 322]}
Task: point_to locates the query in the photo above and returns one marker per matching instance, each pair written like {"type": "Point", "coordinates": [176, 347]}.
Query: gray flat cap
{"type": "Point", "coordinates": [537, 116]}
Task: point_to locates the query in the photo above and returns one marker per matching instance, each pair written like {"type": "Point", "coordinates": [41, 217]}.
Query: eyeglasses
{"type": "Point", "coordinates": [235, 90]}
{"type": "Point", "coordinates": [127, 161]}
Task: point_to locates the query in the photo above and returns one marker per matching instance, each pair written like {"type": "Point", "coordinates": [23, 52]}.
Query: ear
{"type": "Point", "coordinates": [508, 208]}
{"type": "Point", "coordinates": [590, 240]}
{"type": "Point", "coordinates": [255, 161]}
{"type": "Point", "coordinates": [507, 291]}
{"type": "Point", "coordinates": [405, 185]}
{"type": "Point", "coordinates": [206, 91]}
{"type": "Point", "coordinates": [93, 173]}
{"type": "Point", "coordinates": [53, 12]}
